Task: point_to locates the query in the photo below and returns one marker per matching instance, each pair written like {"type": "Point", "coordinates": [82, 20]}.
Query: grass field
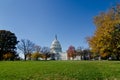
{"type": "Point", "coordinates": [60, 70]}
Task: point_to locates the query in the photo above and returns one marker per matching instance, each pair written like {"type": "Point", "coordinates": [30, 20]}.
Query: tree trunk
{"type": "Point", "coordinates": [25, 57]}
{"type": "Point", "coordinates": [117, 57]}
{"type": "Point", "coordinates": [37, 59]}
{"type": "Point", "coordinates": [45, 57]}
{"type": "Point", "coordinates": [0, 56]}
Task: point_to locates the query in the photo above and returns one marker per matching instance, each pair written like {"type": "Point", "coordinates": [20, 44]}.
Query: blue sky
{"type": "Point", "coordinates": [40, 20]}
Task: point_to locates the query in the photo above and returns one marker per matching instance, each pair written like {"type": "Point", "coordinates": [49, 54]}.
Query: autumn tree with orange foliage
{"type": "Point", "coordinates": [106, 40]}
{"type": "Point", "coordinates": [71, 52]}
{"type": "Point", "coordinates": [10, 56]}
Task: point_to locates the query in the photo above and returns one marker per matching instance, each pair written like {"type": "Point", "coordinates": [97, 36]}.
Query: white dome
{"type": "Point", "coordinates": [55, 46]}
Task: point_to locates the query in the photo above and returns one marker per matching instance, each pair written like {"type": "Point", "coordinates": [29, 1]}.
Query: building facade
{"type": "Point", "coordinates": [56, 50]}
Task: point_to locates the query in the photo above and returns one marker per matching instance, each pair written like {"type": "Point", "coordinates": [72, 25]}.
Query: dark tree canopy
{"type": "Point", "coordinates": [8, 42]}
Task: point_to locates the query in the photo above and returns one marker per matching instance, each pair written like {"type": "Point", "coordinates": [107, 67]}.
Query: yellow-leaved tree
{"type": "Point", "coordinates": [106, 40]}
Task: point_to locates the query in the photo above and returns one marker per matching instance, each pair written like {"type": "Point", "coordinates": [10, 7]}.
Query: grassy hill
{"type": "Point", "coordinates": [60, 70]}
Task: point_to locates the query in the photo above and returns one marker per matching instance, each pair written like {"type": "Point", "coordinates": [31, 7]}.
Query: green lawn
{"type": "Point", "coordinates": [60, 70]}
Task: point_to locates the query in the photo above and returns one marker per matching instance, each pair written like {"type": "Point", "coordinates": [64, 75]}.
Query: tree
{"type": "Point", "coordinates": [71, 52]}
{"type": "Point", "coordinates": [8, 42]}
{"type": "Point", "coordinates": [35, 55]}
{"type": "Point", "coordinates": [37, 48]}
{"type": "Point", "coordinates": [86, 54]}
{"type": "Point", "coordinates": [27, 47]}
{"type": "Point", "coordinates": [106, 40]}
{"type": "Point", "coordinates": [79, 52]}
{"type": "Point", "coordinates": [10, 56]}
{"type": "Point", "coordinates": [45, 52]}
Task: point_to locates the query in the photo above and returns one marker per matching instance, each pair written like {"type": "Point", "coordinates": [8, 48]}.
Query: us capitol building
{"type": "Point", "coordinates": [56, 50]}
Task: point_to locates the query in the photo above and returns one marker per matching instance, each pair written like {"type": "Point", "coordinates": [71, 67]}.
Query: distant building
{"type": "Point", "coordinates": [56, 50]}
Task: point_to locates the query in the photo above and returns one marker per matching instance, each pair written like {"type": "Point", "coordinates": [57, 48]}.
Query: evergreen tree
{"type": "Point", "coordinates": [8, 42]}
